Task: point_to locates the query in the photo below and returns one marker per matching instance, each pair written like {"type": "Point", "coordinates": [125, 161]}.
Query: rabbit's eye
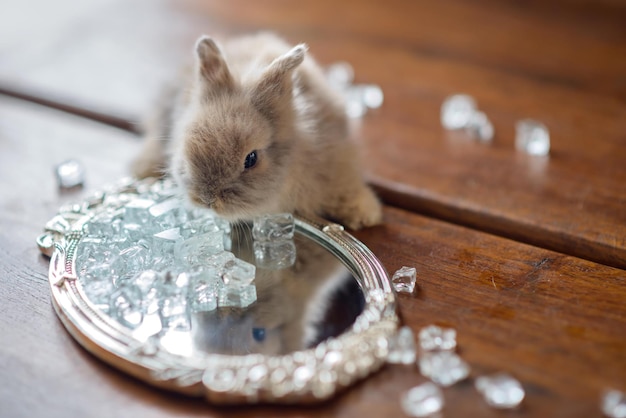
{"type": "Point", "coordinates": [250, 160]}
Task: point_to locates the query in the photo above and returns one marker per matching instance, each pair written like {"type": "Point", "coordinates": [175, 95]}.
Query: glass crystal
{"type": "Point", "coordinates": [199, 226]}
{"type": "Point", "coordinates": [204, 289]}
{"type": "Point", "coordinates": [532, 137]}
{"type": "Point", "coordinates": [98, 287]}
{"type": "Point", "coordinates": [443, 367]}
{"type": "Point", "coordinates": [130, 261]}
{"type": "Point", "coordinates": [354, 103]}
{"type": "Point", "coordinates": [480, 127]}
{"type": "Point", "coordinates": [457, 111]}
{"type": "Point", "coordinates": [146, 282]}
{"type": "Point", "coordinates": [167, 214]}
{"type": "Point", "coordinates": [614, 404]}
{"type": "Point", "coordinates": [340, 74]}
{"type": "Point", "coordinates": [105, 225]}
{"type": "Point", "coordinates": [423, 400]}
{"type": "Point", "coordinates": [500, 390]}
{"type": "Point", "coordinates": [275, 255]}
{"type": "Point", "coordinates": [173, 308]}
{"type": "Point", "coordinates": [433, 337]}
{"type": "Point", "coordinates": [372, 95]}
{"type": "Point", "coordinates": [125, 306]}
{"type": "Point", "coordinates": [220, 260]}
{"type": "Point", "coordinates": [70, 174]}
{"type": "Point", "coordinates": [197, 249]}
{"type": "Point", "coordinates": [236, 297]}
{"type": "Point", "coordinates": [237, 273]}
{"type": "Point", "coordinates": [165, 241]}
{"type": "Point", "coordinates": [402, 347]}
{"type": "Point", "coordinates": [136, 211]}
{"type": "Point", "coordinates": [272, 227]}
{"type": "Point", "coordinates": [404, 279]}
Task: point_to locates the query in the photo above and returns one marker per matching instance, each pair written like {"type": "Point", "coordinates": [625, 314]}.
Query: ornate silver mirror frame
{"type": "Point", "coordinates": [305, 376]}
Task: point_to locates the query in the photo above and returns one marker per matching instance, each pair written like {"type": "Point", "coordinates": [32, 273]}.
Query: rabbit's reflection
{"type": "Point", "coordinates": [296, 307]}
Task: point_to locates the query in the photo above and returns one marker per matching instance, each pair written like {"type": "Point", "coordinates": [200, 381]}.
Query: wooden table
{"type": "Point", "coordinates": [524, 256]}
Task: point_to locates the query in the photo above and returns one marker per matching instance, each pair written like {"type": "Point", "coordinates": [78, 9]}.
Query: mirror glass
{"type": "Point", "coordinates": [277, 310]}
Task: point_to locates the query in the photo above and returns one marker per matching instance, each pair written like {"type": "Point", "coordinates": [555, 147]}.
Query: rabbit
{"type": "Point", "coordinates": [258, 130]}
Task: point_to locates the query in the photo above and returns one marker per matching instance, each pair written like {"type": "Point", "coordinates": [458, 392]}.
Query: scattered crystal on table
{"type": "Point", "coordinates": [532, 137]}
{"type": "Point", "coordinates": [402, 347]}
{"type": "Point", "coordinates": [500, 390]}
{"type": "Point", "coordinates": [70, 174]}
{"type": "Point", "coordinates": [433, 337]}
{"type": "Point", "coordinates": [403, 280]}
{"type": "Point", "coordinates": [423, 400]}
{"type": "Point", "coordinates": [358, 97]}
{"type": "Point", "coordinates": [457, 111]}
{"type": "Point", "coordinates": [443, 367]}
{"type": "Point", "coordinates": [480, 127]}
{"type": "Point", "coordinates": [614, 404]}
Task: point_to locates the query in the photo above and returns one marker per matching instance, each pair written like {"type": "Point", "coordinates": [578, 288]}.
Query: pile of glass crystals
{"type": "Point", "coordinates": [359, 98]}
{"type": "Point", "coordinates": [145, 254]}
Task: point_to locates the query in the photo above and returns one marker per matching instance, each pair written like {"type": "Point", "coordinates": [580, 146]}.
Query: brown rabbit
{"type": "Point", "coordinates": [258, 130]}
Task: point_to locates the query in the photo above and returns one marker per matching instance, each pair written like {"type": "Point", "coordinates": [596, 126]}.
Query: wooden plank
{"type": "Point", "coordinates": [564, 69]}
{"type": "Point", "coordinates": [553, 321]}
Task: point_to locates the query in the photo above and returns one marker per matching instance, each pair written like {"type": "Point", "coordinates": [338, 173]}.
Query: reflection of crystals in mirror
{"type": "Point", "coordinates": [500, 390]}
{"type": "Point", "coordinates": [173, 310]}
{"type": "Point", "coordinates": [443, 367]}
{"type": "Point", "coordinates": [614, 404]}
{"type": "Point", "coordinates": [423, 400]}
{"type": "Point", "coordinates": [125, 306]}
{"type": "Point", "coordinates": [70, 174]}
{"type": "Point", "coordinates": [402, 347]}
{"type": "Point", "coordinates": [433, 337]}
{"type": "Point", "coordinates": [240, 297]}
{"type": "Point", "coordinates": [275, 255]}
{"type": "Point", "coordinates": [273, 227]}
{"type": "Point", "coordinates": [404, 279]}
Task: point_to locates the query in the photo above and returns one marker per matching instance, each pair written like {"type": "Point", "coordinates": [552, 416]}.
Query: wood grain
{"type": "Point", "coordinates": [553, 321]}
{"type": "Point", "coordinates": [559, 62]}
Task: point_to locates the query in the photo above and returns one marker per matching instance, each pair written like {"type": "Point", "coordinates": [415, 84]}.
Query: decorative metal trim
{"type": "Point", "coordinates": [305, 376]}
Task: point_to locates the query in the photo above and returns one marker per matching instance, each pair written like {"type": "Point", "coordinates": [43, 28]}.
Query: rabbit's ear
{"type": "Point", "coordinates": [211, 68]}
{"type": "Point", "coordinates": [274, 89]}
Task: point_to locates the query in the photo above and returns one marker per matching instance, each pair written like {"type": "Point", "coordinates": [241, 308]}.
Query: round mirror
{"type": "Point", "coordinates": [280, 310]}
